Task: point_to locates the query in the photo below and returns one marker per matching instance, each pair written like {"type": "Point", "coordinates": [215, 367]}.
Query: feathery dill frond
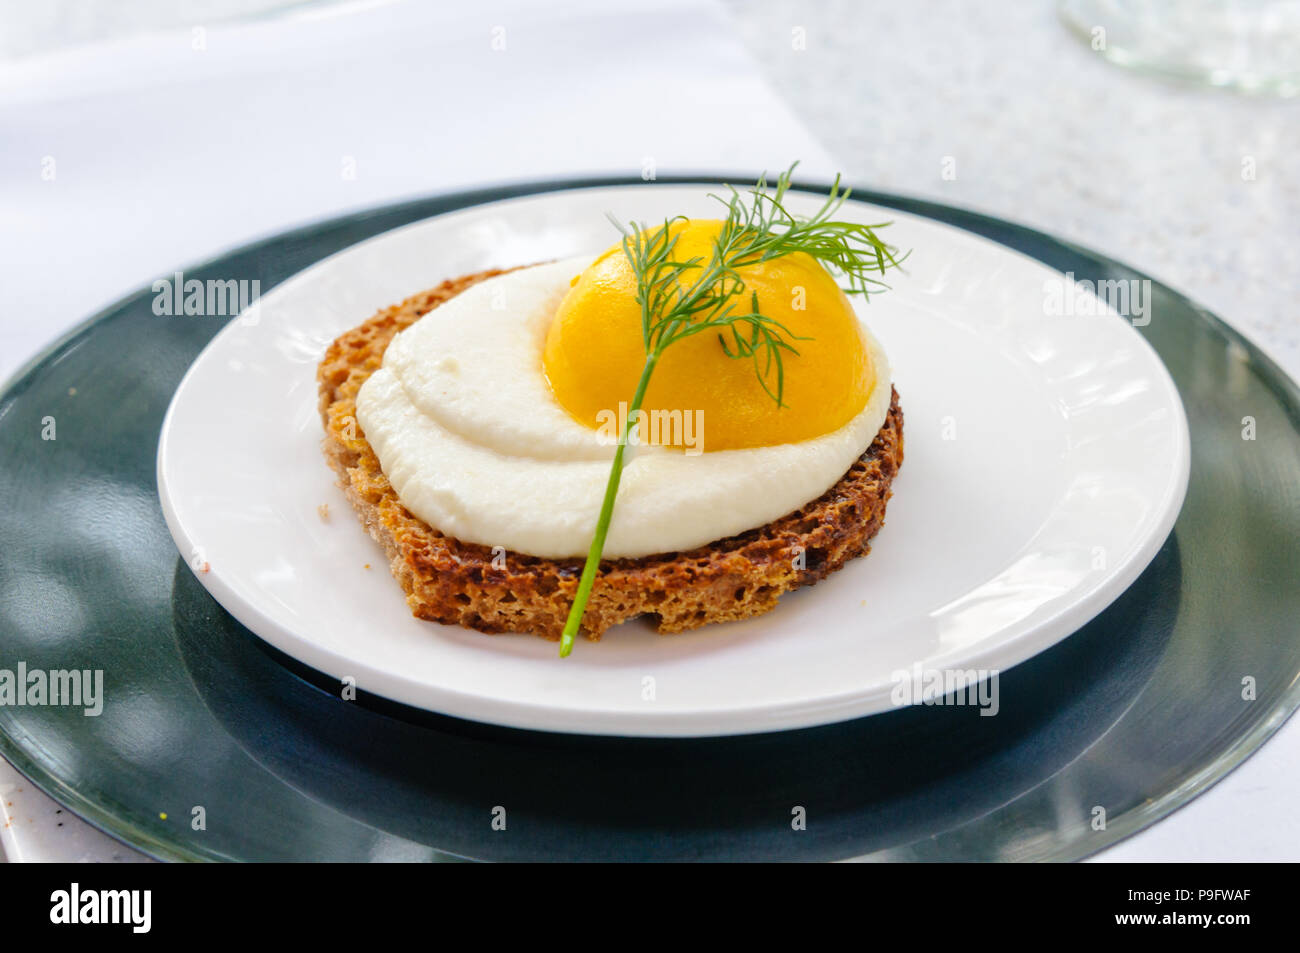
{"type": "Point", "coordinates": [682, 298]}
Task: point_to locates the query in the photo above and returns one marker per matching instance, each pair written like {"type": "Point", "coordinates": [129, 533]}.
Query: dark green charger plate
{"type": "Point", "coordinates": [1131, 716]}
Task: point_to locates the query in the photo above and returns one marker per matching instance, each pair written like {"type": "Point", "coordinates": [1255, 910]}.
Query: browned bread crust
{"type": "Point", "coordinates": [457, 583]}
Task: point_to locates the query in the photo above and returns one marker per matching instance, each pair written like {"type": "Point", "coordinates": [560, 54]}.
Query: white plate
{"type": "Point", "coordinates": [1046, 461]}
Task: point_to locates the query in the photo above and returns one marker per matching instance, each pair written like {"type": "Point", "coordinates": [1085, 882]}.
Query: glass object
{"type": "Point", "coordinates": [1247, 45]}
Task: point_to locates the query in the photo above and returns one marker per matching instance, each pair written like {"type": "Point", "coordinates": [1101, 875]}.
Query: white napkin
{"type": "Point", "coordinates": [128, 160]}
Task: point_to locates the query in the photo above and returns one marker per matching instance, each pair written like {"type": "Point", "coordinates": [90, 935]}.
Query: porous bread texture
{"type": "Point", "coordinates": [460, 583]}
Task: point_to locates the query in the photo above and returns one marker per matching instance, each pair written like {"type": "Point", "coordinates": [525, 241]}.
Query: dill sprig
{"type": "Point", "coordinates": [679, 299]}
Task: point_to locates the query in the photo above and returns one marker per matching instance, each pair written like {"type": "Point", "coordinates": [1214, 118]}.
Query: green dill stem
{"type": "Point", "coordinates": [672, 310]}
{"type": "Point", "coordinates": [606, 513]}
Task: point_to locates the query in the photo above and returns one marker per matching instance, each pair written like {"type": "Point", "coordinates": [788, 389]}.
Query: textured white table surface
{"type": "Point", "coordinates": [1035, 127]}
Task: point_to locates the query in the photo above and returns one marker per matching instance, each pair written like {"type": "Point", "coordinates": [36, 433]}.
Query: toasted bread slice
{"type": "Point", "coordinates": [459, 583]}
